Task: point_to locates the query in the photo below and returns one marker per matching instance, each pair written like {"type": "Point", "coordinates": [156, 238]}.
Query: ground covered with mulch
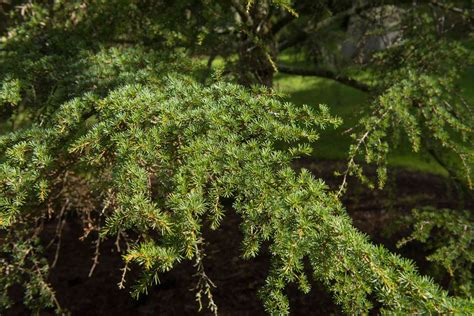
{"type": "Point", "coordinates": [237, 281]}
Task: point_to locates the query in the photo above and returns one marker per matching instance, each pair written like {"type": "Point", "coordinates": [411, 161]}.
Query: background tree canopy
{"type": "Point", "coordinates": [150, 121]}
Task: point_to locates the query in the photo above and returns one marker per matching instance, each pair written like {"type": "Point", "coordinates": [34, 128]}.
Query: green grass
{"type": "Point", "coordinates": [347, 103]}
{"type": "Point", "coordinates": [343, 101]}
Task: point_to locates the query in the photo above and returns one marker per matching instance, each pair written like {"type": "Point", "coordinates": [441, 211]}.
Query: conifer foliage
{"type": "Point", "coordinates": [128, 138]}
{"type": "Point", "coordinates": [169, 153]}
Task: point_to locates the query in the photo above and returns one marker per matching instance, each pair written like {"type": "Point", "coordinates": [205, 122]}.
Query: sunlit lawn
{"type": "Point", "coordinates": [347, 103]}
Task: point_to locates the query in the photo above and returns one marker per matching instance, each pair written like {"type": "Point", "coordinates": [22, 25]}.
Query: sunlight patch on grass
{"type": "Point", "coordinates": [347, 103]}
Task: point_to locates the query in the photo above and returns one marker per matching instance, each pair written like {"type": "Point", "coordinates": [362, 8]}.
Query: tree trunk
{"type": "Point", "coordinates": [258, 50]}
{"type": "Point", "coordinates": [255, 66]}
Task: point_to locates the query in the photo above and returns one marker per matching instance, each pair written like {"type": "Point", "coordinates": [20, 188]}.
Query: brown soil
{"type": "Point", "coordinates": [237, 280]}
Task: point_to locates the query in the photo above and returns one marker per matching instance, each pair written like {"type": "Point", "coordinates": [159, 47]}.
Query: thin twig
{"type": "Point", "coordinates": [204, 282]}
{"type": "Point", "coordinates": [96, 253]}
{"type": "Point", "coordinates": [352, 160]}
{"type": "Point", "coordinates": [125, 269]}
{"type": "Point", "coordinates": [59, 230]}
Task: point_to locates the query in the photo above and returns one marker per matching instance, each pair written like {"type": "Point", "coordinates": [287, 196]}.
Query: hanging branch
{"type": "Point", "coordinates": [323, 73]}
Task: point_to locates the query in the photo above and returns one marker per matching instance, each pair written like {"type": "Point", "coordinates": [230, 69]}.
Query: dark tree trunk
{"type": "Point", "coordinates": [255, 66]}
{"type": "Point", "coordinates": [257, 50]}
{"type": "Point", "coordinates": [4, 8]}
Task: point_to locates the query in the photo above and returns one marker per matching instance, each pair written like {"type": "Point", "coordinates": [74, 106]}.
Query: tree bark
{"type": "Point", "coordinates": [323, 73]}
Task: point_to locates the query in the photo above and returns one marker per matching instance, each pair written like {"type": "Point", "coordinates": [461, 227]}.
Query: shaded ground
{"type": "Point", "coordinates": [237, 281]}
